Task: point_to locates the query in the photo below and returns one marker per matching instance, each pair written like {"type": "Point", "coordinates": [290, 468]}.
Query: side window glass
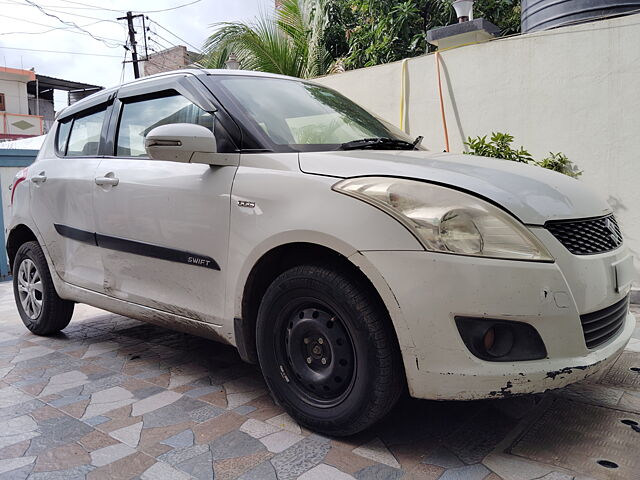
{"type": "Point", "coordinates": [139, 118]}
{"type": "Point", "coordinates": [85, 135]}
{"type": "Point", "coordinates": [63, 137]}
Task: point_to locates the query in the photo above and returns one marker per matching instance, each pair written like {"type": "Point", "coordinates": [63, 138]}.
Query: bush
{"type": "Point", "coordinates": [499, 146]}
{"type": "Point", "coordinates": [558, 162]}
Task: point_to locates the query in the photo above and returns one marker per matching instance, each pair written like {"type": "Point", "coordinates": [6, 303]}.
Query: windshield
{"type": "Point", "coordinates": [304, 116]}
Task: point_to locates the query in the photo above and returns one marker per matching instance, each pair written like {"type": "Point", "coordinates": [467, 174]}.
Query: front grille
{"type": "Point", "coordinates": [587, 237]}
{"type": "Point", "coordinates": [600, 326]}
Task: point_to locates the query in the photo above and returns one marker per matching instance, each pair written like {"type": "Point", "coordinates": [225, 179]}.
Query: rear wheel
{"type": "Point", "coordinates": [41, 309]}
{"type": "Point", "coordinates": [327, 350]}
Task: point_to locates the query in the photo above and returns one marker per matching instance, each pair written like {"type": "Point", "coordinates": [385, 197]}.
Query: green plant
{"type": "Point", "coordinates": [558, 162]}
{"type": "Point", "coordinates": [499, 146]}
{"type": "Point", "coordinates": [289, 42]}
{"type": "Point", "coordinates": [215, 58]}
{"type": "Point", "coordinates": [308, 38]}
{"type": "Point", "coordinates": [363, 33]}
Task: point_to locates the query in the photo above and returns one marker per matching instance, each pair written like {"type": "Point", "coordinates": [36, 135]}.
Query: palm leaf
{"type": "Point", "coordinates": [289, 43]}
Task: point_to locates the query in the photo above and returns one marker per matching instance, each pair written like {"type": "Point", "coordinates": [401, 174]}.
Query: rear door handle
{"type": "Point", "coordinates": [40, 178]}
{"type": "Point", "coordinates": [102, 181]}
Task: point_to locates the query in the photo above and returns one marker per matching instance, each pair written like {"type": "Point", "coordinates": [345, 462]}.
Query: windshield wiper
{"type": "Point", "coordinates": [382, 143]}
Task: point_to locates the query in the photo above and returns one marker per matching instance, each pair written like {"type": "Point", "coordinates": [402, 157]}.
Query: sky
{"type": "Point", "coordinates": [27, 29]}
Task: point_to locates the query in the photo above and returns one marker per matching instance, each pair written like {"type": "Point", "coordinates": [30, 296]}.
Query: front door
{"type": "Point", "coordinates": [62, 188]}
{"type": "Point", "coordinates": [163, 227]}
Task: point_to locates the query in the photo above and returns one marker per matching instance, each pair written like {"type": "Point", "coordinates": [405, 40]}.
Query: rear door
{"type": "Point", "coordinates": [163, 227]}
{"type": "Point", "coordinates": [62, 187]}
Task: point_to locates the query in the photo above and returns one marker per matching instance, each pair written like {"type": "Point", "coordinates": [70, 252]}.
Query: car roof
{"type": "Point", "coordinates": [108, 93]}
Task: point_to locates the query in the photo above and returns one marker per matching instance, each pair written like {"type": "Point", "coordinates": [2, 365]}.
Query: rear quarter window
{"type": "Point", "coordinates": [62, 137]}
{"type": "Point", "coordinates": [84, 139]}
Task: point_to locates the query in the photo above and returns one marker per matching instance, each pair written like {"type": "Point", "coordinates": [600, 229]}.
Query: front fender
{"type": "Point", "coordinates": [287, 206]}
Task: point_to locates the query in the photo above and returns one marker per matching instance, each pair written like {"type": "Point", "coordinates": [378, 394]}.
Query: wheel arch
{"type": "Point", "coordinates": [19, 235]}
{"type": "Point", "coordinates": [280, 258]}
{"type": "Point", "coordinates": [23, 231]}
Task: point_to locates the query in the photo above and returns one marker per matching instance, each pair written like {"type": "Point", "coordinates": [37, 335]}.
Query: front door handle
{"type": "Point", "coordinates": [102, 181]}
{"type": "Point", "coordinates": [40, 178]}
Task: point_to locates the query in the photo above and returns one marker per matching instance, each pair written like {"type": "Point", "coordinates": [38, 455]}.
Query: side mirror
{"type": "Point", "coordinates": [183, 142]}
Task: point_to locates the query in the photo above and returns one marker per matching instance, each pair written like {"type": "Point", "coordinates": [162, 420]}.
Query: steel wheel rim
{"type": "Point", "coordinates": [328, 378]}
{"type": "Point", "coordinates": [30, 291]}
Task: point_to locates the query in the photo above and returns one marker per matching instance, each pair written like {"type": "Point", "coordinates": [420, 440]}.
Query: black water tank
{"type": "Point", "coordinates": [546, 14]}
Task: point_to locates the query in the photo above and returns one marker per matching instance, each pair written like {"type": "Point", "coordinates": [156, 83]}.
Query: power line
{"type": "Point", "coordinates": [87, 6]}
{"type": "Point", "coordinates": [168, 9]}
{"type": "Point", "coordinates": [124, 64]}
{"type": "Point", "coordinates": [113, 21]}
{"type": "Point", "coordinates": [60, 51]}
{"type": "Point", "coordinates": [67, 29]}
{"type": "Point", "coordinates": [93, 6]}
{"type": "Point", "coordinates": [176, 36]}
{"type": "Point", "coordinates": [152, 36]}
{"type": "Point", "coordinates": [173, 45]}
{"type": "Point", "coordinates": [55, 9]}
{"type": "Point", "coordinates": [81, 16]}
{"type": "Point", "coordinates": [72, 24]}
{"type": "Point", "coordinates": [9, 2]}
{"type": "Point", "coordinates": [144, 36]}
{"type": "Point", "coordinates": [159, 45]}
{"type": "Point", "coordinates": [50, 30]}
{"type": "Point", "coordinates": [124, 60]}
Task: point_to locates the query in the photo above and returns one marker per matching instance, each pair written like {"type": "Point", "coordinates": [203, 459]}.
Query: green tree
{"type": "Point", "coordinates": [291, 42]}
{"type": "Point", "coordinates": [377, 31]}
{"type": "Point", "coordinates": [505, 14]}
{"type": "Point", "coordinates": [380, 31]}
{"type": "Point", "coordinates": [307, 38]}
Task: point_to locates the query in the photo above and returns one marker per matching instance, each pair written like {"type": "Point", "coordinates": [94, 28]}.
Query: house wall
{"type": "Point", "coordinates": [45, 108]}
{"type": "Point", "coordinates": [574, 89]}
{"type": "Point", "coordinates": [166, 60]}
{"type": "Point", "coordinates": [15, 94]}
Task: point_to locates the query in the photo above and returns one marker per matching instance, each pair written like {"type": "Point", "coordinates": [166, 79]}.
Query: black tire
{"type": "Point", "coordinates": [54, 313]}
{"type": "Point", "coordinates": [348, 381]}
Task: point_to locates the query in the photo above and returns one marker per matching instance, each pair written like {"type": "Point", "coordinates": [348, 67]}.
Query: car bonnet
{"type": "Point", "coordinates": [531, 193]}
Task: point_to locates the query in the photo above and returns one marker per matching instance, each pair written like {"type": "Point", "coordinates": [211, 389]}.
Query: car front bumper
{"type": "Point", "coordinates": [431, 289]}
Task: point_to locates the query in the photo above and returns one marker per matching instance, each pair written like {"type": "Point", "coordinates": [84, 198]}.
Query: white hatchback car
{"type": "Point", "coordinates": [275, 215]}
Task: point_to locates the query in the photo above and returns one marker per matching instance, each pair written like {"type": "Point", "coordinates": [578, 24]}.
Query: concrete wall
{"type": "Point", "coordinates": [15, 95]}
{"type": "Point", "coordinates": [166, 60]}
{"type": "Point", "coordinates": [44, 108]}
{"type": "Point", "coordinates": [575, 89]}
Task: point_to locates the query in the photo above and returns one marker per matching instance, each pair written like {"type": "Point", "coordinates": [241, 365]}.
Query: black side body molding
{"type": "Point", "coordinates": [155, 251]}
{"type": "Point", "coordinates": [137, 248]}
{"type": "Point", "coordinates": [76, 234]}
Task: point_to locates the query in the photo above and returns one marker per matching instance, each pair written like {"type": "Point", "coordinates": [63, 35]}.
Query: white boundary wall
{"type": "Point", "coordinates": [575, 90]}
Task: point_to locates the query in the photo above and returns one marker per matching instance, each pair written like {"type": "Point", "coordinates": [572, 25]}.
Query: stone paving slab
{"type": "Point", "coordinates": [576, 442]}
{"type": "Point", "coordinates": [111, 397]}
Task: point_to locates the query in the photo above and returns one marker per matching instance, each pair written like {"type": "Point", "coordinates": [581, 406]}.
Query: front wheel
{"type": "Point", "coordinates": [41, 309]}
{"type": "Point", "coordinates": [327, 350]}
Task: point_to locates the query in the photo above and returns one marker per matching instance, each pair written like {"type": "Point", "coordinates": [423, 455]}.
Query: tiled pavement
{"type": "Point", "coordinates": [115, 398]}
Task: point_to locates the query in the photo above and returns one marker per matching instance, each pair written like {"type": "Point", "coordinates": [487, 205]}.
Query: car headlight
{"type": "Point", "coordinates": [446, 220]}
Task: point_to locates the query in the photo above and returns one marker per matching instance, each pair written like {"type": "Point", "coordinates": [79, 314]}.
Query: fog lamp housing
{"type": "Point", "coordinates": [500, 340]}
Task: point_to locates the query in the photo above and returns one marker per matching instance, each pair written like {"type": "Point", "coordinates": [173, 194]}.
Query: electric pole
{"type": "Point", "coordinates": [132, 39]}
